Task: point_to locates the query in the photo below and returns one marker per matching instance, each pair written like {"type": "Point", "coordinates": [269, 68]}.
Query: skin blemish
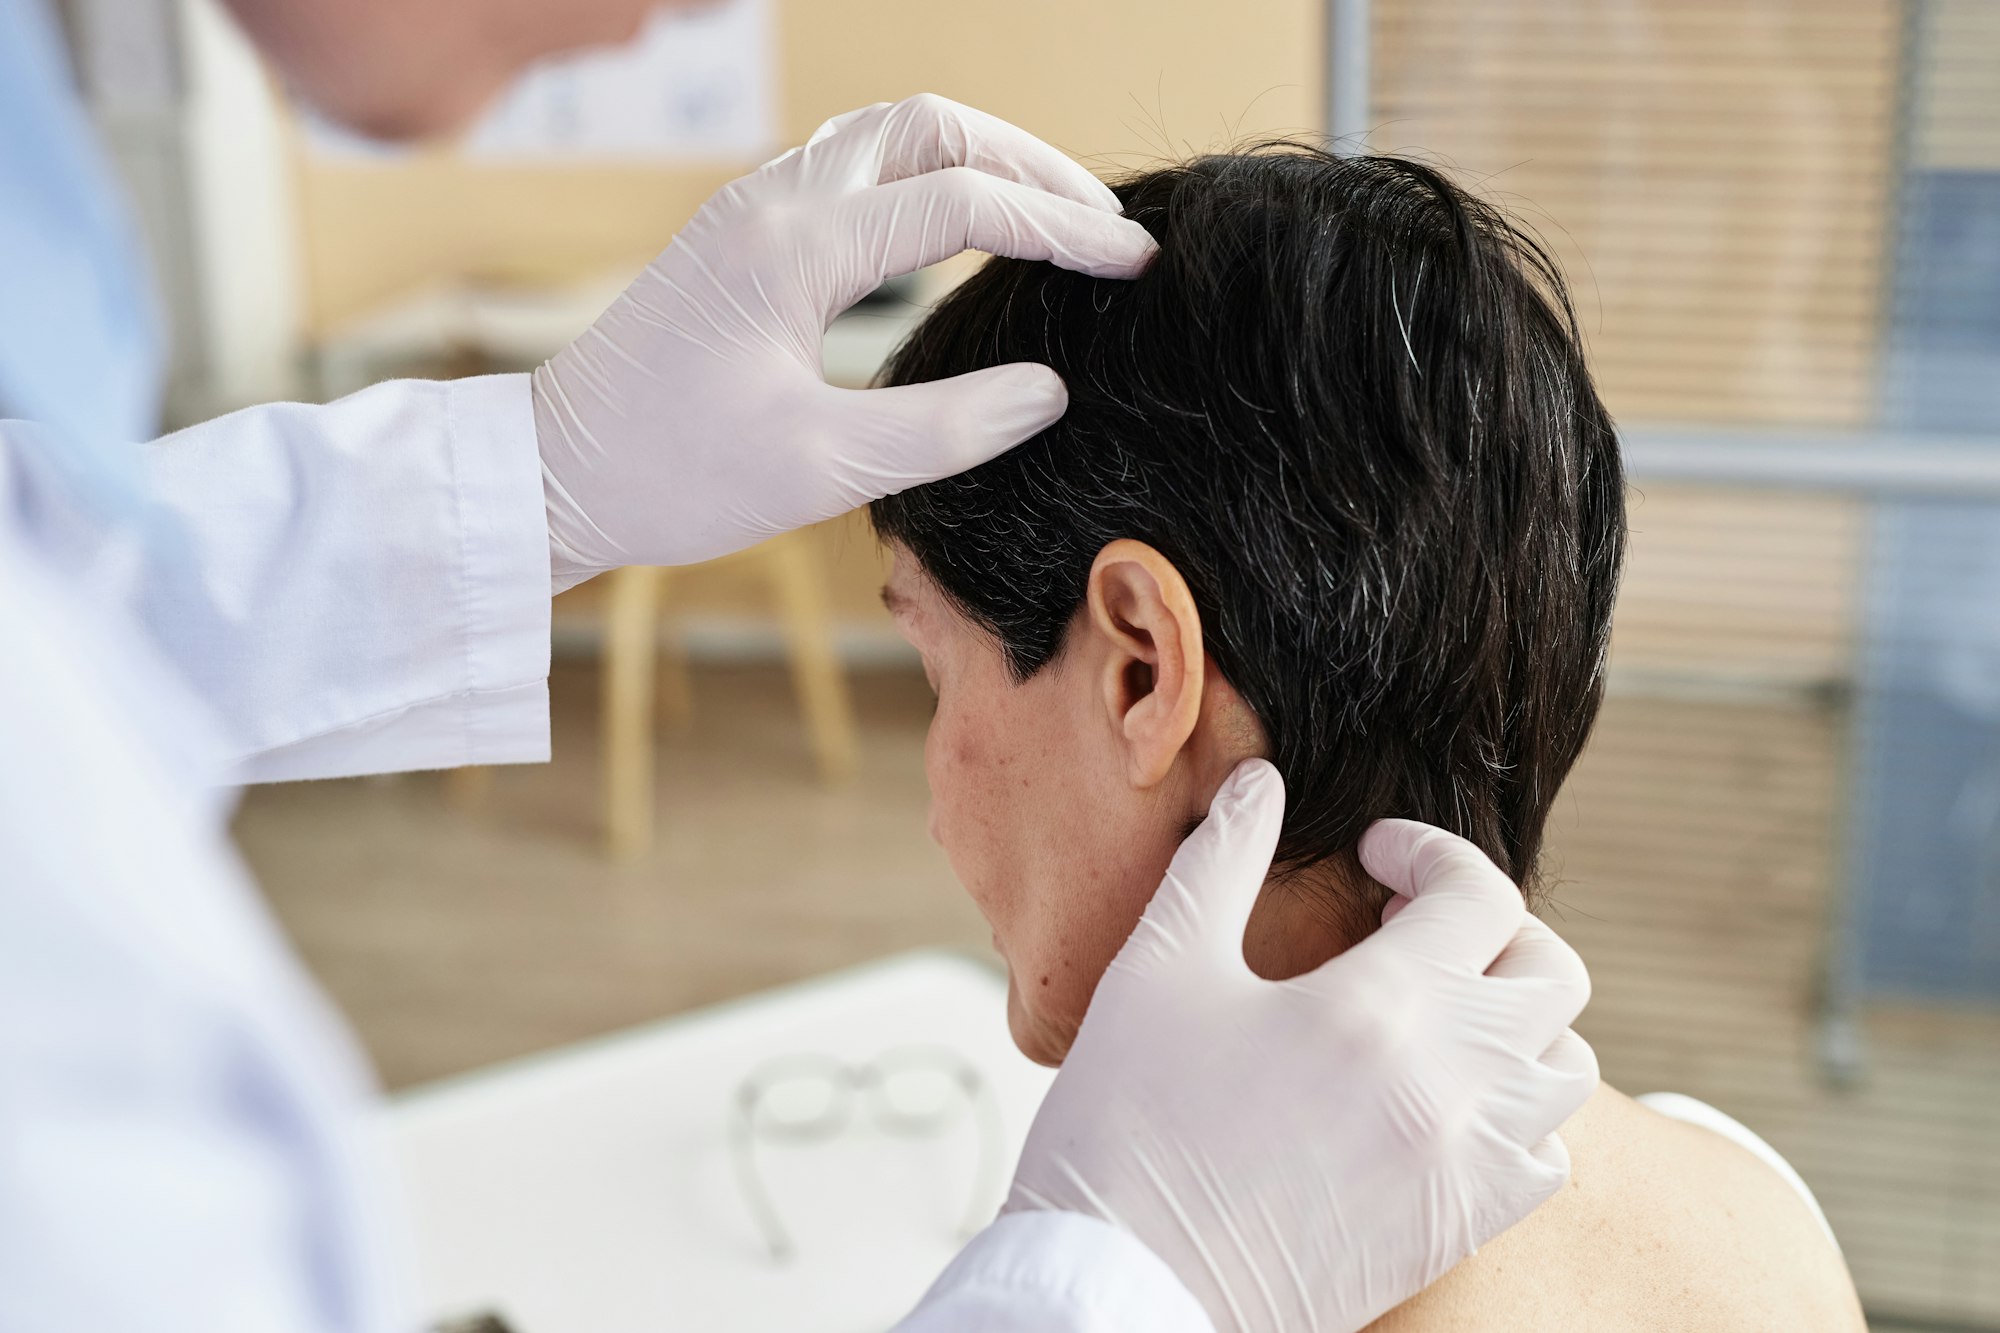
{"type": "Point", "coordinates": [1045, 981]}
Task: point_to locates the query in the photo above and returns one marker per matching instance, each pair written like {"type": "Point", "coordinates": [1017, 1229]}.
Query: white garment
{"type": "Point", "coordinates": [1690, 1110]}
{"type": "Point", "coordinates": [325, 591]}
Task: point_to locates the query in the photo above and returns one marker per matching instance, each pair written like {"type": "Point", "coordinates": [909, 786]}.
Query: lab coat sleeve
{"type": "Point", "coordinates": [188, 1136]}
{"type": "Point", "coordinates": [363, 586]}
{"type": "Point", "coordinates": [1048, 1272]}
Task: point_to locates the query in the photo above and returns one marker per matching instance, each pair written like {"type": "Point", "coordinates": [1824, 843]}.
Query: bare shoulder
{"type": "Point", "coordinates": [1663, 1225]}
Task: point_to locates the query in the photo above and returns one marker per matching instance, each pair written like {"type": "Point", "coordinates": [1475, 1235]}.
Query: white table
{"type": "Point", "coordinates": [593, 1190]}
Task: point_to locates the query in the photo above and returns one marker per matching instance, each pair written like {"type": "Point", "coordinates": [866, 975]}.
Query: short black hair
{"type": "Point", "coordinates": [1349, 401]}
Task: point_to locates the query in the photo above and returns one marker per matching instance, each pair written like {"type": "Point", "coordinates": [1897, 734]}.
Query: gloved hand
{"type": "Point", "coordinates": [692, 419]}
{"type": "Point", "coordinates": [1308, 1154]}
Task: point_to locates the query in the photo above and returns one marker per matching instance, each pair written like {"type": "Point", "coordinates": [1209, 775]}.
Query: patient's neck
{"type": "Point", "coordinates": [1303, 919]}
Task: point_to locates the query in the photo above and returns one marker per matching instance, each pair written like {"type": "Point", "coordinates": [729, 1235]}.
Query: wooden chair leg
{"type": "Point", "coordinates": [466, 789]}
{"type": "Point", "coordinates": [676, 685]}
{"type": "Point", "coordinates": [631, 628]}
{"type": "Point", "coordinates": [816, 672]}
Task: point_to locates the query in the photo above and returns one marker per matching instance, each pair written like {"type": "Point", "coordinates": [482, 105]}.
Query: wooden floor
{"type": "Point", "coordinates": [1691, 853]}
{"type": "Point", "coordinates": [455, 939]}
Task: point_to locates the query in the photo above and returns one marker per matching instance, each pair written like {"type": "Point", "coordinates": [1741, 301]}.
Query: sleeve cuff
{"type": "Point", "coordinates": [497, 727]}
{"type": "Point", "coordinates": [1055, 1272]}
{"type": "Point", "coordinates": [499, 714]}
{"type": "Point", "coordinates": [504, 523]}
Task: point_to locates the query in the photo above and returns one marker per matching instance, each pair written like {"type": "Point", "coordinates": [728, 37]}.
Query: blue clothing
{"type": "Point", "coordinates": [80, 340]}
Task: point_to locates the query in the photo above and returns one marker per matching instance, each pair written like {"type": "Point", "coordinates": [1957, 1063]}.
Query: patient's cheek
{"type": "Point", "coordinates": [960, 751]}
{"type": "Point", "coordinates": [1033, 817]}
{"type": "Point", "coordinates": [970, 815]}
{"type": "Point", "coordinates": [991, 751]}
{"type": "Point", "coordinates": [953, 760]}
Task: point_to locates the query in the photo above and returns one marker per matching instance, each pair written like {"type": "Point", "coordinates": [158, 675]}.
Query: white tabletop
{"type": "Point", "coordinates": [594, 1190]}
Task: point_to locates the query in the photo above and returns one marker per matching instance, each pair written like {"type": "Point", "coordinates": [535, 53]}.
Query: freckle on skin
{"type": "Point", "coordinates": [1045, 981]}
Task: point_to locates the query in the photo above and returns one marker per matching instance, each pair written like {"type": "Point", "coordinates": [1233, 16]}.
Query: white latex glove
{"type": "Point", "coordinates": [693, 419]}
{"type": "Point", "coordinates": [1308, 1154]}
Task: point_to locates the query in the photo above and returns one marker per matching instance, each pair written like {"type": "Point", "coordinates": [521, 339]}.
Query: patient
{"type": "Point", "coordinates": [1334, 488]}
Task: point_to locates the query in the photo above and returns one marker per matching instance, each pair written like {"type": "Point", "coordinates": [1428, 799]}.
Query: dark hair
{"type": "Point", "coordinates": [1349, 402]}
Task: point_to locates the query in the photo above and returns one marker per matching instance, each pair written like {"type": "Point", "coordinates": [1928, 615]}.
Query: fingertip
{"type": "Point", "coordinates": [1037, 387]}
{"type": "Point", "coordinates": [1537, 952]}
{"type": "Point", "coordinates": [1029, 398]}
{"type": "Point", "coordinates": [1553, 1155]}
{"type": "Point", "coordinates": [1253, 780]}
{"type": "Point", "coordinates": [1462, 906]}
{"type": "Point", "coordinates": [1247, 812]}
{"type": "Point", "coordinates": [1110, 246]}
{"type": "Point", "coordinates": [1140, 248]}
{"type": "Point", "coordinates": [1249, 806]}
{"type": "Point", "coordinates": [1413, 858]}
{"type": "Point", "coordinates": [1570, 1056]}
{"type": "Point", "coordinates": [1219, 870]}
{"type": "Point", "coordinates": [919, 433]}
{"type": "Point", "coordinates": [999, 407]}
{"type": "Point", "coordinates": [1388, 852]}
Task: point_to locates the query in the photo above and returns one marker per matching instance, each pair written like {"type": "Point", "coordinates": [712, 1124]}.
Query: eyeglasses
{"type": "Point", "coordinates": [909, 1092]}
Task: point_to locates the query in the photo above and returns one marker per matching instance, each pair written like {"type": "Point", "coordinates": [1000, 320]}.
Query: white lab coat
{"type": "Point", "coordinates": [185, 1125]}
{"type": "Point", "coordinates": [288, 592]}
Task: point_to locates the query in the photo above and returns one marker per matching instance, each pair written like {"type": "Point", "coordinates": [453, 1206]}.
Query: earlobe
{"type": "Point", "coordinates": [1152, 660]}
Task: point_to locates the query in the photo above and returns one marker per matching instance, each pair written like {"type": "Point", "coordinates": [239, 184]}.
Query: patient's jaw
{"type": "Point", "coordinates": [1060, 799]}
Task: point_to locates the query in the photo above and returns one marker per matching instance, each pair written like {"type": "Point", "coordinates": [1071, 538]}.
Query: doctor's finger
{"type": "Point", "coordinates": [889, 230]}
{"type": "Point", "coordinates": [1537, 951]}
{"type": "Point", "coordinates": [930, 133]}
{"type": "Point", "coordinates": [1570, 1054]}
{"type": "Point", "coordinates": [1553, 1155]}
{"type": "Point", "coordinates": [1541, 958]}
{"type": "Point", "coordinates": [1204, 902]}
{"type": "Point", "coordinates": [1462, 909]}
{"type": "Point", "coordinates": [903, 436]}
{"type": "Point", "coordinates": [1531, 1012]}
{"type": "Point", "coordinates": [1555, 1089]}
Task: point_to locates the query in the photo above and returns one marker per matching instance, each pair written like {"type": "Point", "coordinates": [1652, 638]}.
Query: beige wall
{"type": "Point", "coordinates": [1112, 81]}
{"type": "Point", "coordinates": [1716, 181]}
{"type": "Point", "coordinates": [1714, 178]}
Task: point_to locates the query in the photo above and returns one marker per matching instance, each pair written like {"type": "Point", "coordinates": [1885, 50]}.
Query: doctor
{"type": "Point", "coordinates": [298, 591]}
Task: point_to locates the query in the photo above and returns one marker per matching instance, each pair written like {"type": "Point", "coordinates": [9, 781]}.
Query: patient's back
{"type": "Point", "coordinates": [1663, 1225]}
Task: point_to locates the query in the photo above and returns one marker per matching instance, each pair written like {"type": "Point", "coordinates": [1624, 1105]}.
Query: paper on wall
{"type": "Point", "coordinates": [696, 85]}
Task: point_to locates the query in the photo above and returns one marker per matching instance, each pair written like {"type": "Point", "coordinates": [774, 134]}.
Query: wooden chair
{"type": "Point", "coordinates": [646, 682]}
{"type": "Point", "coordinates": [640, 682]}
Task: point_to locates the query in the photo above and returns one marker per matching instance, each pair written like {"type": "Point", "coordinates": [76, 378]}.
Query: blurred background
{"type": "Point", "coordinates": [1781, 219]}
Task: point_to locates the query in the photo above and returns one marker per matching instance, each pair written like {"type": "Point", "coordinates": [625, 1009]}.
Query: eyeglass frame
{"type": "Point", "coordinates": [852, 1084]}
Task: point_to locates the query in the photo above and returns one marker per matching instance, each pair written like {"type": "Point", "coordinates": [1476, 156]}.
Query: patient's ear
{"type": "Point", "coordinates": [1150, 638]}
